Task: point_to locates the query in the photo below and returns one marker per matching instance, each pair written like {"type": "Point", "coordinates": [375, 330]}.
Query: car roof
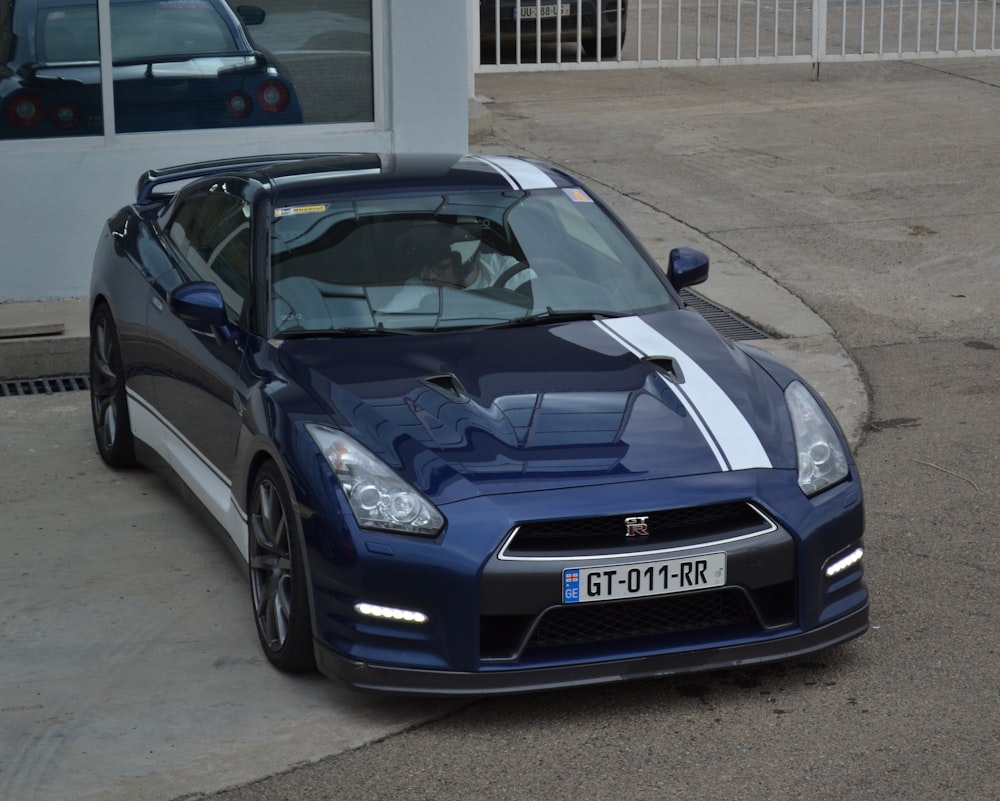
{"type": "Point", "coordinates": [300, 176]}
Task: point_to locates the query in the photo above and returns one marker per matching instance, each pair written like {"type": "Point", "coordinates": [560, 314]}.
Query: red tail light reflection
{"type": "Point", "coordinates": [273, 96]}
{"type": "Point", "coordinates": [66, 116]}
{"type": "Point", "coordinates": [239, 104]}
{"type": "Point", "coordinates": [25, 111]}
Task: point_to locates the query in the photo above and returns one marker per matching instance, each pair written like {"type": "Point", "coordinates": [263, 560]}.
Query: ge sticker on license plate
{"type": "Point", "coordinates": [662, 577]}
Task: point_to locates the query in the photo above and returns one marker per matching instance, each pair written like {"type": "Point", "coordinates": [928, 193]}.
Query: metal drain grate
{"type": "Point", "coordinates": [44, 386]}
{"type": "Point", "coordinates": [721, 319]}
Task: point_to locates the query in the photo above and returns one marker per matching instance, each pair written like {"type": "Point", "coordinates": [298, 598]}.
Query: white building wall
{"type": "Point", "coordinates": [55, 195]}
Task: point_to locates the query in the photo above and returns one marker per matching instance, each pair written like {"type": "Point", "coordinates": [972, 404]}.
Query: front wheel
{"type": "Point", "coordinates": [277, 575]}
{"type": "Point", "coordinates": [108, 404]}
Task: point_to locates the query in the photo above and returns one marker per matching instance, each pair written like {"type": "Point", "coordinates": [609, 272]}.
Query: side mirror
{"type": "Point", "coordinates": [201, 302]}
{"type": "Point", "coordinates": [250, 15]}
{"type": "Point", "coordinates": [686, 267]}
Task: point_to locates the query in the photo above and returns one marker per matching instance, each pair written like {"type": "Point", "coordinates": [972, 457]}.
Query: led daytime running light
{"type": "Point", "coordinates": [844, 562]}
{"type": "Point", "coordinates": [390, 613]}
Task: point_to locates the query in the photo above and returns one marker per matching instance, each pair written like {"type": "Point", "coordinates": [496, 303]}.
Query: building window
{"type": "Point", "coordinates": [184, 65]}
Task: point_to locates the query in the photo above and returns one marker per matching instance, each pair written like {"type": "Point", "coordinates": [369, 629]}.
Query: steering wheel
{"type": "Point", "coordinates": [510, 272]}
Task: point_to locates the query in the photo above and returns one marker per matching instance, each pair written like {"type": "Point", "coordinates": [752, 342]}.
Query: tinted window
{"type": "Point", "coordinates": [169, 27]}
{"type": "Point", "coordinates": [67, 35]}
{"type": "Point", "coordinates": [212, 235]}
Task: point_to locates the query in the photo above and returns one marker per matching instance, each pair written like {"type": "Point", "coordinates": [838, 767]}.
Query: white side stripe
{"type": "Point", "coordinates": [728, 433]}
{"type": "Point", "coordinates": [520, 174]}
{"type": "Point", "coordinates": [207, 483]}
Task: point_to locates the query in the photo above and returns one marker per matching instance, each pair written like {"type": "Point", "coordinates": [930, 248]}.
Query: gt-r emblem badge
{"type": "Point", "coordinates": [636, 527]}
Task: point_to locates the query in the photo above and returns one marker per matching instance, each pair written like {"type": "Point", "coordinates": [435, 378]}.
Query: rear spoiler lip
{"type": "Point", "coordinates": [29, 71]}
{"type": "Point", "coordinates": [150, 180]}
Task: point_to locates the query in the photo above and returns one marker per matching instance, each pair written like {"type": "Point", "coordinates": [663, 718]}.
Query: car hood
{"type": "Point", "coordinates": [560, 405]}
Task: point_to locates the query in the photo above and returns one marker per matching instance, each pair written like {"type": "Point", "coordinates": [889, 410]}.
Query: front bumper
{"type": "Point", "coordinates": [496, 617]}
{"type": "Point", "coordinates": [380, 678]}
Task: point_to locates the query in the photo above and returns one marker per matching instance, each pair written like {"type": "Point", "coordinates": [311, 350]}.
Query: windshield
{"type": "Point", "coordinates": [454, 261]}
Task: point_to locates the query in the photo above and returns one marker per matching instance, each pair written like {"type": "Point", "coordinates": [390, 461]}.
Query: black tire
{"type": "Point", "coordinates": [108, 405]}
{"type": "Point", "coordinates": [277, 575]}
{"type": "Point", "coordinates": [610, 46]}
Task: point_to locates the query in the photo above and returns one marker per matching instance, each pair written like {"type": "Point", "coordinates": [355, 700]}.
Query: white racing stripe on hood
{"type": "Point", "coordinates": [520, 174]}
{"type": "Point", "coordinates": [728, 433]}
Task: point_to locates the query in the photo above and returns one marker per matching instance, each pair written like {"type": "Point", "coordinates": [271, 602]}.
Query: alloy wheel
{"type": "Point", "coordinates": [112, 429]}
{"type": "Point", "coordinates": [270, 565]}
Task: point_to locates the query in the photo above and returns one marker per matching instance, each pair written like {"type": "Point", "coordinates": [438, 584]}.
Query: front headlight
{"type": "Point", "coordinates": [379, 498]}
{"type": "Point", "coordinates": [822, 460]}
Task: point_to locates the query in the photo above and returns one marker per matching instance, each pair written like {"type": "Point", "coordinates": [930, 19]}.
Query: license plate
{"type": "Point", "coordinates": [532, 11]}
{"type": "Point", "coordinates": [662, 577]}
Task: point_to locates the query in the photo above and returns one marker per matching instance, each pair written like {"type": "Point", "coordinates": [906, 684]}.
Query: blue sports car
{"type": "Point", "coordinates": [462, 430]}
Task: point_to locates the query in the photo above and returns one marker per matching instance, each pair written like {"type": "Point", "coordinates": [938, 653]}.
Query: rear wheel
{"type": "Point", "coordinates": [277, 575]}
{"type": "Point", "coordinates": [108, 404]}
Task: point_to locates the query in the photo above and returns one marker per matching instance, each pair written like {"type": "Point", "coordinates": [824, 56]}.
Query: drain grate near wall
{"type": "Point", "coordinates": [44, 386]}
{"type": "Point", "coordinates": [721, 319]}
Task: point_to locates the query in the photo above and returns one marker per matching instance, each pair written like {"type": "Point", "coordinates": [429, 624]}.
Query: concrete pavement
{"type": "Point", "coordinates": [134, 671]}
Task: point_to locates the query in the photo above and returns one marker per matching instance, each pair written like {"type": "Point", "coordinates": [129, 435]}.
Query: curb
{"type": "Point", "coordinates": [27, 355]}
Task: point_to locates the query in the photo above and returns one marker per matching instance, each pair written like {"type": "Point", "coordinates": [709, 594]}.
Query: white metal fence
{"type": "Point", "coordinates": [517, 35]}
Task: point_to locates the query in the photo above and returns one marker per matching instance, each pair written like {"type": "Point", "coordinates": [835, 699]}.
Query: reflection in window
{"type": "Point", "coordinates": [462, 260]}
{"type": "Point", "coordinates": [143, 29]}
{"type": "Point", "coordinates": [327, 51]}
{"type": "Point", "coordinates": [49, 74]}
{"type": "Point", "coordinates": [212, 233]}
{"type": "Point", "coordinates": [185, 64]}
{"type": "Point", "coordinates": [67, 35]}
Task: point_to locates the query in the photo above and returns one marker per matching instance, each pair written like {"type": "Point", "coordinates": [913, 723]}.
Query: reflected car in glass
{"type": "Point", "coordinates": [598, 25]}
{"type": "Point", "coordinates": [461, 429]}
{"type": "Point", "coordinates": [177, 64]}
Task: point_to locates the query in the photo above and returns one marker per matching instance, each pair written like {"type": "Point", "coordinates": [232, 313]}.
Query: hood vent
{"type": "Point", "coordinates": [447, 385]}
{"type": "Point", "coordinates": [667, 367]}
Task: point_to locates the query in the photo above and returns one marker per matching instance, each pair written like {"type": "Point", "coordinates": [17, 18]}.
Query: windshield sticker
{"type": "Point", "coordinates": [288, 211]}
{"type": "Point", "coordinates": [577, 195]}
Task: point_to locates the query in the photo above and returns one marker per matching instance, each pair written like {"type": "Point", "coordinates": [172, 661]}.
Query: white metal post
{"type": "Point", "coordinates": [818, 35]}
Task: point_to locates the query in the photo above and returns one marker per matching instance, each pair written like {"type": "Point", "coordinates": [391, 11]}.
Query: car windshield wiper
{"type": "Point", "coordinates": [330, 333]}
{"type": "Point", "coordinates": [551, 315]}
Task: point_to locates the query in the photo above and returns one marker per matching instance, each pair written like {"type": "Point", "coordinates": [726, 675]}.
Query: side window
{"type": "Point", "coordinates": [212, 234]}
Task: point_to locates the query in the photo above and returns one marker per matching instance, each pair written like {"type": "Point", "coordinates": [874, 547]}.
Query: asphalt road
{"type": "Point", "coordinates": [872, 195]}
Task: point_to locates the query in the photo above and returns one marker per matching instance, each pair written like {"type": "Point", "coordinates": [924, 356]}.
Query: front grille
{"type": "Point", "coordinates": [607, 535]}
{"type": "Point", "coordinates": [625, 620]}
{"type": "Point", "coordinates": [726, 611]}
